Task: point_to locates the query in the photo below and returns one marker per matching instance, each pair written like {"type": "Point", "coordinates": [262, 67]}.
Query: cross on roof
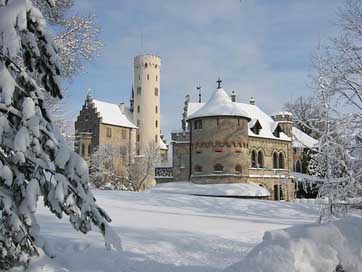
{"type": "Point", "coordinates": [219, 83]}
{"type": "Point", "coordinates": [199, 89]}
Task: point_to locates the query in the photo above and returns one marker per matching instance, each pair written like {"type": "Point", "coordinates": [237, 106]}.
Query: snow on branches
{"type": "Point", "coordinates": [34, 160]}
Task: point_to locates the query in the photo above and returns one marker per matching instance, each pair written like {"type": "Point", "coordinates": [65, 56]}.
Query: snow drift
{"type": "Point", "coordinates": [312, 248]}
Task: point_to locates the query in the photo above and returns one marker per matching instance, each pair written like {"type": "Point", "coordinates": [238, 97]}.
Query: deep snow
{"type": "Point", "coordinates": [167, 232]}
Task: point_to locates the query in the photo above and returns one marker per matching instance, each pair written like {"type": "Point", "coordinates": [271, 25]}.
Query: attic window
{"type": "Point", "coordinates": [256, 127]}
{"type": "Point", "coordinates": [277, 131]}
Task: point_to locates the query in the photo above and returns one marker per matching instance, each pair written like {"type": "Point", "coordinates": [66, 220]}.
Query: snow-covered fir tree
{"type": "Point", "coordinates": [34, 161]}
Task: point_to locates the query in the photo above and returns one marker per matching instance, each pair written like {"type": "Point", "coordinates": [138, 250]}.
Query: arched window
{"type": "Point", "coordinates": [275, 160]}
{"type": "Point", "coordinates": [146, 65]}
{"type": "Point", "coordinates": [260, 159]}
{"type": "Point", "coordinates": [156, 91]}
{"type": "Point", "coordinates": [253, 159]}
{"type": "Point", "coordinates": [148, 77]}
{"type": "Point", "coordinates": [198, 168]}
{"type": "Point", "coordinates": [218, 167]}
{"type": "Point", "coordinates": [298, 167]}
{"type": "Point", "coordinates": [238, 168]}
{"type": "Point", "coordinates": [281, 160]}
{"type": "Point", "coordinates": [83, 149]}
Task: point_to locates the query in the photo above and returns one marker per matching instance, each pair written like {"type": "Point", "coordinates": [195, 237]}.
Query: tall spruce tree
{"type": "Point", "coordinates": [34, 161]}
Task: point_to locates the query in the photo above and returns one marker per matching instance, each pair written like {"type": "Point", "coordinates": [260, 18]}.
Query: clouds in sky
{"type": "Point", "coordinates": [260, 48]}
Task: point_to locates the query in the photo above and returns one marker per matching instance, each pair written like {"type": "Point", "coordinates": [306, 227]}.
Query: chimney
{"type": "Point", "coordinates": [122, 107]}
{"type": "Point", "coordinates": [252, 101]}
{"type": "Point", "coordinates": [233, 96]}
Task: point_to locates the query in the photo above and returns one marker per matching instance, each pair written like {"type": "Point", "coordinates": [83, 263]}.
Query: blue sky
{"type": "Point", "coordinates": [260, 48]}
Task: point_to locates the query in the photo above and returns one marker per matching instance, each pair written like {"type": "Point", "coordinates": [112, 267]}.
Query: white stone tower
{"type": "Point", "coordinates": [147, 101]}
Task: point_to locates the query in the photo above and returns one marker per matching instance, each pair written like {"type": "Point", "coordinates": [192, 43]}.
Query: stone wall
{"type": "Point", "coordinates": [180, 155]}
{"type": "Point", "coordinates": [219, 147]}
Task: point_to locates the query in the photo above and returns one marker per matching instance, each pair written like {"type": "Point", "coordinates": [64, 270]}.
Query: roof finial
{"type": "Point", "coordinates": [199, 89]}
{"type": "Point", "coordinates": [219, 83]}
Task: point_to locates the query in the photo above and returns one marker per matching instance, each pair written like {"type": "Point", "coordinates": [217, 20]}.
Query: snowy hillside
{"type": "Point", "coordinates": [167, 232]}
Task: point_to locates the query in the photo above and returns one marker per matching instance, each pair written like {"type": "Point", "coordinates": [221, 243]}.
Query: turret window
{"type": "Point", "coordinates": [156, 109]}
{"type": "Point", "coordinates": [156, 138]}
{"type": "Point", "coordinates": [198, 168]}
{"type": "Point", "coordinates": [138, 108]}
{"type": "Point", "coordinates": [148, 77]}
{"type": "Point", "coordinates": [156, 76]}
{"type": "Point", "coordinates": [156, 124]}
{"type": "Point", "coordinates": [138, 137]}
{"type": "Point", "coordinates": [156, 91]}
{"type": "Point", "coordinates": [109, 132]}
{"type": "Point", "coordinates": [138, 90]}
{"type": "Point", "coordinates": [218, 167]}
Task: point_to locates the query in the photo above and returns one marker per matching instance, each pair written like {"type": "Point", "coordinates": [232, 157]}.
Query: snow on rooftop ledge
{"type": "Point", "coordinates": [231, 189]}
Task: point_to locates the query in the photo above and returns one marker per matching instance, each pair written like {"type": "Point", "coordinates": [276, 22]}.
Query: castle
{"type": "Point", "coordinates": [224, 141]}
{"type": "Point", "coordinates": [221, 141]}
{"type": "Point", "coordinates": [131, 131]}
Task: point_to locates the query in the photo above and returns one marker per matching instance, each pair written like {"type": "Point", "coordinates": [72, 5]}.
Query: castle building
{"type": "Point", "coordinates": [132, 130]}
{"type": "Point", "coordinates": [224, 141]}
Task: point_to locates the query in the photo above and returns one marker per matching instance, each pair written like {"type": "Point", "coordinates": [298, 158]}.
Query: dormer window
{"type": "Point", "coordinates": [277, 131]}
{"type": "Point", "coordinates": [255, 127]}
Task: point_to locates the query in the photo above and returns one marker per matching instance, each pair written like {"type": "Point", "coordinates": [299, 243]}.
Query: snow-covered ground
{"type": "Point", "coordinates": [232, 189]}
{"type": "Point", "coordinates": [167, 232]}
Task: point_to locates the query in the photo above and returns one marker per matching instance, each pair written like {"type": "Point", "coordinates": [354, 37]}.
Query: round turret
{"type": "Point", "coordinates": [147, 101]}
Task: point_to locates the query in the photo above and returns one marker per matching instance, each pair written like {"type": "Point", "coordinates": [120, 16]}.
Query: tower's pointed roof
{"type": "Point", "coordinates": [219, 104]}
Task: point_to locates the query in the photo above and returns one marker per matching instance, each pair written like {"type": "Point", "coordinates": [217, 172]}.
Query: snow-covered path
{"type": "Point", "coordinates": [169, 232]}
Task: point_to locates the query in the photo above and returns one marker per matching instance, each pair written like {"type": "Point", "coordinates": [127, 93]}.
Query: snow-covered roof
{"type": "Point", "coordinates": [111, 114]}
{"type": "Point", "coordinates": [253, 112]}
{"type": "Point", "coordinates": [301, 139]}
{"type": "Point", "coordinates": [219, 104]}
{"type": "Point", "coordinates": [163, 146]}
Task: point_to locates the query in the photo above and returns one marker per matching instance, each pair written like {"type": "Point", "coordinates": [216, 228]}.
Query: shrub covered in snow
{"type": "Point", "coordinates": [34, 161]}
{"type": "Point", "coordinates": [335, 246]}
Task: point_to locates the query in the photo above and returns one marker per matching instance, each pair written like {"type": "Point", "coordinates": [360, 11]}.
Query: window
{"type": "Point", "coordinates": [156, 124]}
{"type": "Point", "coordinates": [198, 168]}
{"type": "Point", "coordinates": [256, 128]}
{"type": "Point", "coordinates": [83, 149]}
{"type": "Point", "coordinates": [253, 159]}
{"type": "Point", "coordinates": [218, 167]}
{"type": "Point", "coordinates": [139, 77]}
{"type": "Point", "coordinates": [238, 168]}
{"type": "Point", "coordinates": [156, 76]}
{"type": "Point", "coordinates": [138, 137]}
{"type": "Point", "coordinates": [138, 123]}
{"type": "Point", "coordinates": [148, 77]}
{"type": "Point", "coordinates": [86, 117]}
{"type": "Point", "coordinates": [138, 108]}
{"type": "Point", "coordinates": [139, 90]}
{"type": "Point", "coordinates": [196, 124]}
{"type": "Point", "coordinates": [298, 167]}
{"type": "Point", "coordinates": [123, 152]}
{"type": "Point", "coordinates": [124, 134]}
{"type": "Point", "coordinates": [155, 65]}
{"type": "Point", "coordinates": [156, 109]}
{"type": "Point", "coordinates": [89, 150]}
{"type": "Point", "coordinates": [156, 91]}
{"type": "Point", "coordinates": [275, 160]}
{"type": "Point", "coordinates": [281, 160]}
{"type": "Point", "coordinates": [238, 121]}
{"type": "Point", "coordinates": [146, 64]}
{"type": "Point", "coordinates": [217, 121]}
{"type": "Point", "coordinates": [260, 159]}
{"type": "Point", "coordinates": [200, 124]}
{"type": "Point", "coordinates": [156, 138]}
{"type": "Point", "coordinates": [109, 132]}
